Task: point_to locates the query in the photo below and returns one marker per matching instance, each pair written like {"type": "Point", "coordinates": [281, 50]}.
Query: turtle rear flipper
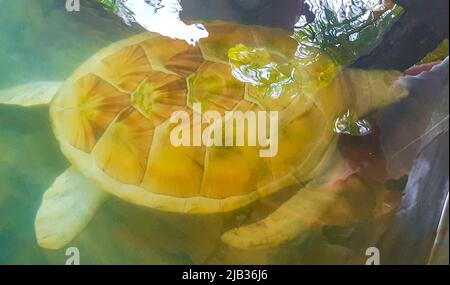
{"type": "Point", "coordinates": [67, 207]}
{"type": "Point", "coordinates": [335, 199]}
{"type": "Point", "coordinates": [30, 94]}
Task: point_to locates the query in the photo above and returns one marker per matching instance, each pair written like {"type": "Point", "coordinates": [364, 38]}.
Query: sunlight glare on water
{"type": "Point", "coordinates": [162, 17]}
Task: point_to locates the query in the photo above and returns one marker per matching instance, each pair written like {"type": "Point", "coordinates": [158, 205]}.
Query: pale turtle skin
{"type": "Point", "coordinates": [111, 119]}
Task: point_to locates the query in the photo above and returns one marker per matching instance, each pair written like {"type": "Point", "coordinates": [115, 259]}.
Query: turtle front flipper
{"type": "Point", "coordinates": [30, 94]}
{"type": "Point", "coordinates": [67, 207]}
{"type": "Point", "coordinates": [340, 202]}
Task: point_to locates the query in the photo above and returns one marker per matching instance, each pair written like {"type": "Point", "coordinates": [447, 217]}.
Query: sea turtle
{"type": "Point", "coordinates": [111, 118]}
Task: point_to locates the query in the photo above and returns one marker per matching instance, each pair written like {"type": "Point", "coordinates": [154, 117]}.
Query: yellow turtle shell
{"type": "Point", "coordinates": [111, 118]}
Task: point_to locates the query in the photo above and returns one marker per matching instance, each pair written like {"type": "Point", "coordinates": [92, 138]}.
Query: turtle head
{"type": "Point", "coordinates": [370, 90]}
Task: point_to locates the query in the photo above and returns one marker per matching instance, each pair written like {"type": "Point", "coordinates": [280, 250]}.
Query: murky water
{"type": "Point", "coordinates": [41, 41]}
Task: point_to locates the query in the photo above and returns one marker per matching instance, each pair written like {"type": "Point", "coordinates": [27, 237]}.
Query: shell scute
{"type": "Point", "coordinates": [176, 56]}
{"type": "Point", "coordinates": [159, 95]}
{"type": "Point", "coordinates": [123, 149]}
{"type": "Point", "coordinates": [215, 87]}
{"type": "Point", "coordinates": [126, 68]}
{"type": "Point", "coordinates": [90, 105]}
{"type": "Point", "coordinates": [222, 37]}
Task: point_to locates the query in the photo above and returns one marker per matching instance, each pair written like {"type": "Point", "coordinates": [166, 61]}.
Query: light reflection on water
{"type": "Point", "coordinates": [162, 17]}
{"type": "Point", "coordinates": [343, 29]}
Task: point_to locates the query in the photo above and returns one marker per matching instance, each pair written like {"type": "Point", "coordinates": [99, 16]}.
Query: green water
{"type": "Point", "coordinates": [40, 40]}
